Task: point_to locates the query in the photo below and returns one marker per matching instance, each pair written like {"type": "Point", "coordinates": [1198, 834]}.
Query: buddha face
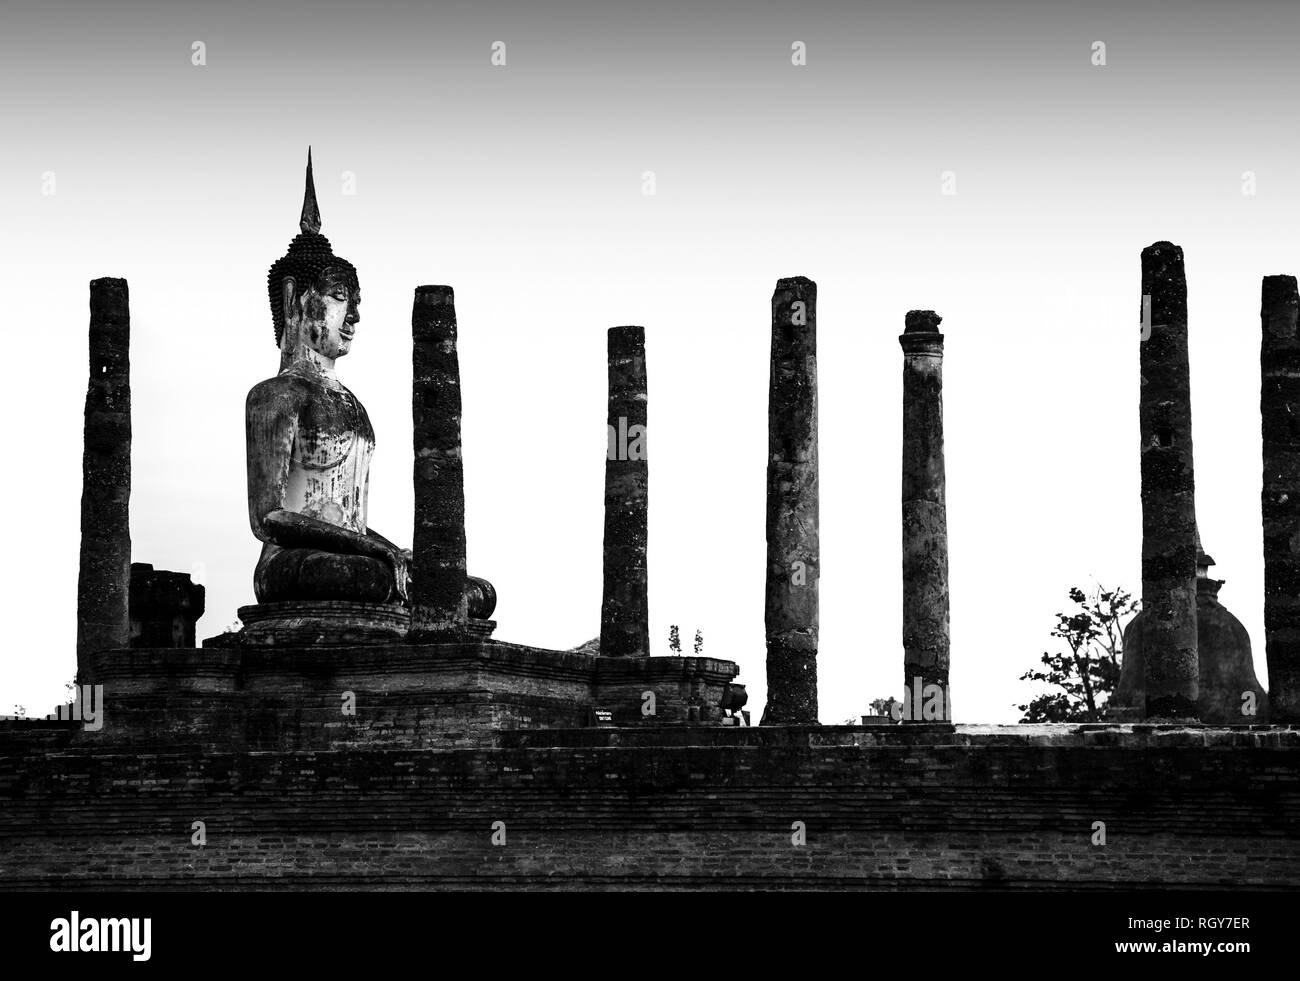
{"type": "Point", "coordinates": [324, 316]}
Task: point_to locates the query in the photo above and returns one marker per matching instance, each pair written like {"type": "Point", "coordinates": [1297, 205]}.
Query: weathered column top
{"type": "Point", "coordinates": [110, 325]}
{"type": "Point", "coordinates": [1167, 251]}
{"type": "Point", "coordinates": [1279, 308]}
{"type": "Point", "coordinates": [434, 290]}
{"type": "Point", "coordinates": [626, 340]}
{"type": "Point", "coordinates": [1163, 274]}
{"type": "Point", "coordinates": [795, 283]}
{"type": "Point", "coordinates": [921, 333]}
{"type": "Point", "coordinates": [430, 295]}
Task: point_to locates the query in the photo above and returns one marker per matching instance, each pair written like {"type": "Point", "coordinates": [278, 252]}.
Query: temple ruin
{"type": "Point", "coordinates": [365, 729]}
{"type": "Point", "coordinates": [405, 629]}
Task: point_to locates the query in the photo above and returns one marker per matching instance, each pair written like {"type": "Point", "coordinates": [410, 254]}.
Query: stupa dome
{"type": "Point", "coordinates": [1227, 668]}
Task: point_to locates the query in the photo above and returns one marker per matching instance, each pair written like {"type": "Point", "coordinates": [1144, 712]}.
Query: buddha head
{"type": "Point", "coordinates": [314, 294]}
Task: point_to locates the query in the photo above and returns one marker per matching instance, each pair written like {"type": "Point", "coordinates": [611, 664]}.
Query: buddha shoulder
{"type": "Point", "coordinates": [284, 393]}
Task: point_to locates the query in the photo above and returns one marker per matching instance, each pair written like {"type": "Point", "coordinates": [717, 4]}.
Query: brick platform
{"type": "Point", "coordinates": [916, 807]}
{"type": "Point", "coordinates": [429, 695]}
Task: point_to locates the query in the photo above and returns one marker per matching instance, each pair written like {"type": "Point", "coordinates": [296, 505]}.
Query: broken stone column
{"type": "Point", "coordinates": [625, 607]}
{"type": "Point", "coordinates": [793, 554]}
{"type": "Point", "coordinates": [103, 583]}
{"type": "Point", "coordinates": [925, 519]}
{"type": "Point", "coordinates": [438, 601]}
{"type": "Point", "coordinates": [1279, 405]}
{"type": "Point", "coordinates": [1168, 491]}
{"type": "Point", "coordinates": [164, 607]}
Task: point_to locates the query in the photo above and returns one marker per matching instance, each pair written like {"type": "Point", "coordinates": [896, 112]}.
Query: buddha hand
{"type": "Point", "coordinates": [401, 559]}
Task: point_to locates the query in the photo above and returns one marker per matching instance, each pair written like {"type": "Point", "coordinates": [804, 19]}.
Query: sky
{"type": "Point", "coordinates": [165, 143]}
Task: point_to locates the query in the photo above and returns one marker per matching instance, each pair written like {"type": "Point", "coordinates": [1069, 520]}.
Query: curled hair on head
{"type": "Point", "coordinates": [310, 261]}
{"type": "Point", "coordinates": [312, 266]}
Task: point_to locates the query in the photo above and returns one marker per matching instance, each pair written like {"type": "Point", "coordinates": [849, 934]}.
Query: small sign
{"type": "Point", "coordinates": [602, 717]}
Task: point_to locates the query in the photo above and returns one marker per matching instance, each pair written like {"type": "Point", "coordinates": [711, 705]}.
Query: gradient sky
{"type": "Point", "coordinates": [521, 186]}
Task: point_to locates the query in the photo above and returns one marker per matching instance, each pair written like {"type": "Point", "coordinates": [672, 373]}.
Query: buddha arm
{"type": "Point", "coordinates": [289, 529]}
{"type": "Point", "coordinates": [370, 532]}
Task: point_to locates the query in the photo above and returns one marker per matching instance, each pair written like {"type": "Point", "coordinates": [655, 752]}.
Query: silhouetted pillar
{"type": "Point", "coordinates": [164, 607]}
{"type": "Point", "coordinates": [104, 579]}
{"type": "Point", "coordinates": [925, 517]}
{"type": "Point", "coordinates": [438, 599]}
{"type": "Point", "coordinates": [1168, 491]}
{"type": "Point", "coordinates": [1279, 405]}
{"type": "Point", "coordinates": [793, 555]}
{"type": "Point", "coordinates": [625, 608]}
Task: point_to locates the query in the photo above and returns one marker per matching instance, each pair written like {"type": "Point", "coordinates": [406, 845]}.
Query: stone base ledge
{"type": "Point", "coordinates": [405, 663]}
{"type": "Point", "coordinates": [331, 623]}
{"type": "Point", "coordinates": [1062, 735]}
{"type": "Point", "coordinates": [20, 736]}
{"type": "Point", "coordinates": [415, 694]}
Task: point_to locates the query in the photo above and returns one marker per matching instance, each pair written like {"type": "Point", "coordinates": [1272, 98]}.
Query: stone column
{"type": "Point", "coordinates": [1168, 491]}
{"type": "Point", "coordinates": [1279, 405]}
{"type": "Point", "coordinates": [793, 554]}
{"type": "Point", "coordinates": [925, 521]}
{"type": "Point", "coordinates": [625, 608]}
{"type": "Point", "coordinates": [103, 583]}
{"type": "Point", "coordinates": [438, 603]}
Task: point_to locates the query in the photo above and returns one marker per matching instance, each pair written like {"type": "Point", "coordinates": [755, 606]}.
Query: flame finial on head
{"type": "Point", "coordinates": [310, 221]}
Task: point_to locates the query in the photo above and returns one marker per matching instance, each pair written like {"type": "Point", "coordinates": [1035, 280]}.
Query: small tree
{"type": "Point", "coordinates": [674, 640]}
{"type": "Point", "coordinates": [1088, 673]}
{"type": "Point", "coordinates": [699, 640]}
{"type": "Point", "coordinates": [884, 706]}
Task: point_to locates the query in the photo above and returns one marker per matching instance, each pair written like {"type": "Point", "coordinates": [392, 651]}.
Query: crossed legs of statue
{"type": "Point", "coordinates": [309, 574]}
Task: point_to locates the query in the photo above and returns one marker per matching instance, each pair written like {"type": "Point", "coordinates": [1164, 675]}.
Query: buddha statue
{"type": "Point", "coordinates": [310, 442]}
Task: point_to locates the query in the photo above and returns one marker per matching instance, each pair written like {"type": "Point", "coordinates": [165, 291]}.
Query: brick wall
{"type": "Point", "coordinates": [1004, 808]}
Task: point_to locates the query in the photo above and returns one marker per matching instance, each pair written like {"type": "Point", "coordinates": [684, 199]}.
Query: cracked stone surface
{"type": "Point", "coordinates": [625, 607]}
{"type": "Point", "coordinates": [1168, 493]}
{"type": "Point", "coordinates": [439, 607]}
{"type": "Point", "coordinates": [925, 520]}
{"type": "Point", "coordinates": [103, 582]}
{"type": "Point", "coordinates": [1279, 405]}
{"type": "Point", "coordinates": [793, 549]}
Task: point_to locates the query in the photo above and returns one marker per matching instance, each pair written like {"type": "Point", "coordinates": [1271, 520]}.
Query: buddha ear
{"type": "Point", "coordinates": [287, 289]}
